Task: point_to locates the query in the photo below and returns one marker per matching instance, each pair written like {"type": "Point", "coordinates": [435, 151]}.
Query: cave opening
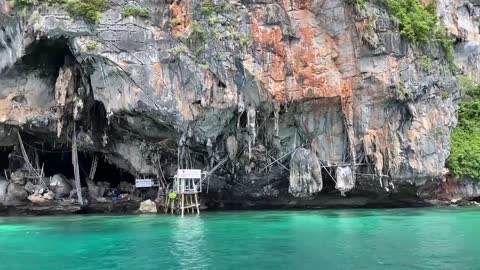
{"type": "Point", "coordinates": [61, 162]}
{"type": "Point", "coordinates": [106, 171]}
{"type": "Point", "coordinates": [328, 181]}
{"type": "Point", "coordinates": [39, 69]}
{"type": "Point", "coordinates": [47, 55]}
{"type": "Point", "coordinates": [5, 152]}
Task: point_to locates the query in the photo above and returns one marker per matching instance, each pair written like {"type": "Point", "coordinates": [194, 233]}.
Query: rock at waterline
{"type": "Point", "coordinates": [15, 194]}
{"type": "Point", "coordinates": [49, 195]}
{"type": "Point", "coordinates": [60, 185]}
{"type": "Point", "coordinates": [148, 206]}
{"type": "Point", "coordinates": [37, 198]}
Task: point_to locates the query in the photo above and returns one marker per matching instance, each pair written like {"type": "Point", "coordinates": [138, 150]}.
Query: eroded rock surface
{"type": "Point", "coordinates": [60, 186]}
{"type": "Point", "coordinates": [305, 174]}
{"type": "Point", "coordinates": [257, 81]}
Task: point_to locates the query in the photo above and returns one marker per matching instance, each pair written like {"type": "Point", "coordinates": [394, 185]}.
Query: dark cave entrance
{"type": "Point", "coordinates": [5, 152]}
{"type": "Point", "coordinates": [61, 162]}
{"type": "Point", "coordinates": [39, 70]}
{"type": "Point", "coordinates": [106, 171]}
{"type": "Point", "coordinates": [328, 174]}
{"type": "Point", "coordinates": [47, 55]}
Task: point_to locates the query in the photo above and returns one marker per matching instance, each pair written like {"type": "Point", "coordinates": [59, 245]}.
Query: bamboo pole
{"type": "Point", "coordinates": [93, 168]}
{"type": "Point", "coordinates": [283, 166]}
{"type": "Point", "coordinates": [280, 158]}
{"type": "Point", "coordinates": [30, 167]}
{"type": "Point", "coordinates": [166, 204]}
{"type": "Point", "coordinates": [196, 203]}
{"type": "Point", "coordinates": [76, 171]}
{"type": "Point", "coordinates": [191, 203]}
{"type": "Point", "coordinates": [182, 203]}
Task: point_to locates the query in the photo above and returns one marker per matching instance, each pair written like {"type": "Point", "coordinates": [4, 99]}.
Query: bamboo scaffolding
{"type": "Point", "coordinates": [30, 168]}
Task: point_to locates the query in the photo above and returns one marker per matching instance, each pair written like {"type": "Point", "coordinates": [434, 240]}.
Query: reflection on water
{"type": "Point", "coordinates": [189, 243]}
{"type": "Point", "coordinates": [397, 239]}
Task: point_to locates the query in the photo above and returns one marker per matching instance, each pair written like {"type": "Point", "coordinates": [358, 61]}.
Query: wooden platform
{"type": "Point", "coordinates": [188, 203]}
{"type": "Point", "coordinates": [183, 198]}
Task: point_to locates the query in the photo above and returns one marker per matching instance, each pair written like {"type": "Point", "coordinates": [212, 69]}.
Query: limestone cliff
{"type": "Point", "coordinates": [195, 82]}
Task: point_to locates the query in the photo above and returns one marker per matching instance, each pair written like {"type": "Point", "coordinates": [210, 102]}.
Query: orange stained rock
{"type": "Point", "coordinates": [315, 70]}
{"type": "Point", "coordinates": [268, 41]}
{"type": "Point", "coordinates": [180, 10]}
{"type": "Point", "coordinates": [158, 78]}
{"type": "Point", "coordinates": [347, 88]}
{"type": "Point", "coordinates": [259, 14]}
{"type": "Point", "coordinates": [268, 38]}
{"type": "Point", "coordinates": [314, 65]}
{"type": "Point", "coordinates": [297, 4]}
{"type": "Point", "coordinates": [18, 115]}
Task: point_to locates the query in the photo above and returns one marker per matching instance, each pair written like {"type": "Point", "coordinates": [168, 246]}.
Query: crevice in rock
{"type": "Point", "coordinates": [328, 181]}
{"type": "Point", "coordinates": [5, 152]}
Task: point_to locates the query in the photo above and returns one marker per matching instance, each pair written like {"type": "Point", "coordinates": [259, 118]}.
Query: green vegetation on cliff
{"type": "Point", "coordinates": [419, 23]}
{"type": "Point", "coordinates": [464, 158]}
{"type": "Point", "coordinates": [416, 21]}
{"type": "Point", "coordinates": [89, 10]}
{"type": "Point", "coordinates": [91, 45]}
{"type": "Point", "coordinates": [135, 11]}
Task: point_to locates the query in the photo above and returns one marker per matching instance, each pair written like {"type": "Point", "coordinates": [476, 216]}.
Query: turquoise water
{"type": "Point", "coordinates": [329, 239]}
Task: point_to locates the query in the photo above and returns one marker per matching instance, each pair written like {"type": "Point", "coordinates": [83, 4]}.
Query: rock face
{"type": "Point", "coordinates": [12, 193]}
{"type": "Point", "coordinates": [60, 186]}
{"type": "Point", "coordinates": [148, 206]}
{"type": "Point", "coordinates": [305, 174]}
{"type": "Point", "coordinates": [252, 81]}
{"type": "Point", "coordinates": [95, 191]}
{"type": "Point", "coordinates": [451, 189]}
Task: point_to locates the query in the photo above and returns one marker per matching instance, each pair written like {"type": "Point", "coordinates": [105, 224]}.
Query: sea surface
{"type": "Point", "coordinates": [428, 238]}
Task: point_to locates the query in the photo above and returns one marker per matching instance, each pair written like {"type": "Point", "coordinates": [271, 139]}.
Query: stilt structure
{"type": "Point", "coordinates": [188, 194]}
{"type": "Point", "coordinates": [183, 197]}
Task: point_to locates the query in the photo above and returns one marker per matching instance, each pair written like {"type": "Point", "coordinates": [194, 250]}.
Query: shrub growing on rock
{"type": "Point", "coordinates": [135, 12]}
{"type": "Point", "coordinates": [23, 3]}
{"type": "Point", "coordinates": [464, 158]}
{"type": "Point", "coordinates": [419, 23]}
{"type": "Point", "coordinates": [91, 45]}
{"type": "Point", "coordinates": [416, 21]}
{"type": "Point", "coordinates": [90, 10]}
